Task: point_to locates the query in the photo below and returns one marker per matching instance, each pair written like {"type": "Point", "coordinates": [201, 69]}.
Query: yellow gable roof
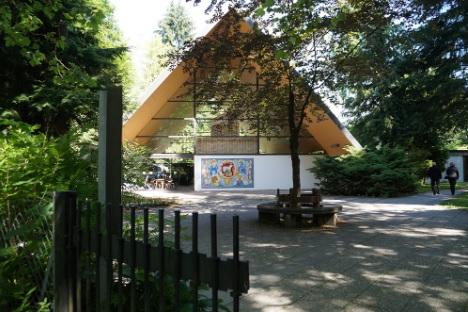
{"type": "Point", "coordinates": [327, 130]}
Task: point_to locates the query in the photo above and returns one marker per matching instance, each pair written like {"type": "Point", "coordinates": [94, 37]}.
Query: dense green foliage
{"type": "Point", "coordinates": [406, 84]}
{"type": "Point", "coordinates": [54, 57]}
{"type": "Point", "coordinates": [383, 172]}
{"type": "Point", "coordinates": [32, 166]}
{"type": "Point", "coordinates": [24, 258]}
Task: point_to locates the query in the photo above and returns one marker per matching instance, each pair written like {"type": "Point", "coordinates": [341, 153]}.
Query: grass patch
{"type": "Point", "coordinates": [459, 201]}
{"type": "Point", "coordinates": [423, 188]}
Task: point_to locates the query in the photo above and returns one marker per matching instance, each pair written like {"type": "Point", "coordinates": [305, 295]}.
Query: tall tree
{"type": "Point", "coordinates": [176, 28]}
{"type": "Point", "coordinates": [292, 49]}
{"type": "Point", "coordinates": [407, 84]}
{"type": "Point", "coordinates": [155, 58]}
{"type": "Point", "coordinates": [54, 57]}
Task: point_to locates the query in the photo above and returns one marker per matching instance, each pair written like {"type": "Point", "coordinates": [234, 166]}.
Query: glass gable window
{"type": "Point", "coordinates": [172, 145]}
{"type": "Point", "coordinates": [223, 127]}
{"type": "Point", "coordinates": [175, 109]}
{"type": "Point", "coordinates": [169, 127]}
{"type": "Point", "coordinates": [281, 146]}
{"type": "Point", "coordinates": [189, 123]}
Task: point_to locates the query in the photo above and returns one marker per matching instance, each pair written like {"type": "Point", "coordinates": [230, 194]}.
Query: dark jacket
{"type": "Point", "coordinates": [434, 173]}
{"type": "Point", "coordinates": [452, 173]}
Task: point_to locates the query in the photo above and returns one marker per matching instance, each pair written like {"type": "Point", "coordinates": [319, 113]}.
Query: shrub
{"type": "Point", "coordinates": [135, 160]}
{"type": "Point", "coordinates": [32, 166]}
{"type": "Point", "coordinates": [384, 172]}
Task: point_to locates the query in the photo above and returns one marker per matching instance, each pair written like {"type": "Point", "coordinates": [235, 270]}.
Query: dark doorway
{"type": "Point", "coordinates": [177, 167]}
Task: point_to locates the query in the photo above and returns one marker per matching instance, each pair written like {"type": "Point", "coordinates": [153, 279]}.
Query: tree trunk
{"type": "Point", "coordinates": [294, 149]}
{"type": "Point", "coordinates": [296, 173]}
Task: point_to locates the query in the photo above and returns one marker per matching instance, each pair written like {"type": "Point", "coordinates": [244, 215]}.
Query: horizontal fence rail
{"type": "Point", "coordinates": [205, 263]}
{"type": "Point", "coordinates": [147, 269]}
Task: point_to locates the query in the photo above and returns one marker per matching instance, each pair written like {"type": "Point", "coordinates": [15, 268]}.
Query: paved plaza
{"type": "Point", "coordinates": [400, 254]}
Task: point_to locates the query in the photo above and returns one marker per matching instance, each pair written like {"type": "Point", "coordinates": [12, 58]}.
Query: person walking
{"type": "Point", "coordinates": [435, 175]}
{"type": "Point", "coordinates": [452, 175]}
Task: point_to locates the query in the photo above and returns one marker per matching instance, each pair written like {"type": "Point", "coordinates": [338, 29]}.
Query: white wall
{"type": "Point", "coordinates": [458, 161]}
{"type": "Point", "coordinates": [270, 171]}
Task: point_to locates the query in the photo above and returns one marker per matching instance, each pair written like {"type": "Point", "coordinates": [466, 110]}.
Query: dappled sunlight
{"type": "Point", "coordinates": [457, 255]}
{"type": "Point", "coordinates": [264, 245]}
{"type": "Point", "coordinates": [387, 279]}
{"type": "Point", "coordinates": [333, 279]}
{"type": "Point", "coordinates": [376, 250]}
{"type": "Point", "coordinates": [265, 278]}
{"type": "Point", "coordinates": [403, 254]}
{"type": "Point", "coordinates": [458, 260]}
{"type": "Point", "coordinates": [271, 299]}
{"type": "Point", "coordinates": [440, 298]}
{"type": "Point", "coordinates": [419, 232]}
{"type": "Point", "coordinates": [162, 193]}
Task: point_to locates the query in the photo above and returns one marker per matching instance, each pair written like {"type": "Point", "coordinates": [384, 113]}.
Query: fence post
{"type": "Point", "coordinates": [110, 156]}
{"type": "Point", "coordinates": [109, 180]}
{"type": "Point", "coordinates": [65, 252]}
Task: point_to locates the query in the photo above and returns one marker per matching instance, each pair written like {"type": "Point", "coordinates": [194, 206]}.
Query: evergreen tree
{"type": "Point", "coordinates": [407, 83]}
{"type": "Point", "coordinates": [176, 28]}
{"type": "Point", "coordinates": [55, 56]}
{"type": "Point", "coordinates": [155, 58]}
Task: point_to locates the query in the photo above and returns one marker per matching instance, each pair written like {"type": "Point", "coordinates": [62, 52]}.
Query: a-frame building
{"type": "Point", "coordinates": [227, 154]}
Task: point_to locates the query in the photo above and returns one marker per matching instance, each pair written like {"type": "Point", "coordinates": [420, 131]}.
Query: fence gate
{"type": "Point", "coordinates": [149, 270]}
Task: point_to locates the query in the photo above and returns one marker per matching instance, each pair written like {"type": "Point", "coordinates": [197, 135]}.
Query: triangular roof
{"type": "Point", "coordinates": [329, 132]}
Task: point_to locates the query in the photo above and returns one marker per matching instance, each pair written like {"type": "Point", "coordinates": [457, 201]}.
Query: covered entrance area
{"type": "Point", "coordinates": [169, 171]}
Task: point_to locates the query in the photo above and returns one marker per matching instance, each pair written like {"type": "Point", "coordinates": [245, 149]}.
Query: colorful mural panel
{"type": "Point", "coordinates": [227, 173]}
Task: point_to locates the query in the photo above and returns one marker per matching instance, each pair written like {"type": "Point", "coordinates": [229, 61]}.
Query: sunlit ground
{"type": "Point", "coordinates": [459, 201]}
{"type": "Point", "coordinates": [403, 254]}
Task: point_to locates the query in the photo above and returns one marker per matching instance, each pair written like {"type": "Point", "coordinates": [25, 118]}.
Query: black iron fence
{"type": "Point", "coordinates": [145, 268]}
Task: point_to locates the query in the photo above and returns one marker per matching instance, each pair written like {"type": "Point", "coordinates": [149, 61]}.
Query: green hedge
{"type": "Point", "coordinates": [384, 172]}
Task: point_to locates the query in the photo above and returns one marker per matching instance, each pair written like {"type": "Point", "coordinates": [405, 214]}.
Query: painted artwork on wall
{"type": "Point", "coordinates": [227, 173]}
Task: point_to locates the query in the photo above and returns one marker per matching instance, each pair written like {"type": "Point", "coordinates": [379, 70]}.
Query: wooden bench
{"type": "Point", "coordinates": [310, 208]}
{"type": "Point", "coordinates": [313, 198]}
{"type": "Point", "coordinates": [323, 215]}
